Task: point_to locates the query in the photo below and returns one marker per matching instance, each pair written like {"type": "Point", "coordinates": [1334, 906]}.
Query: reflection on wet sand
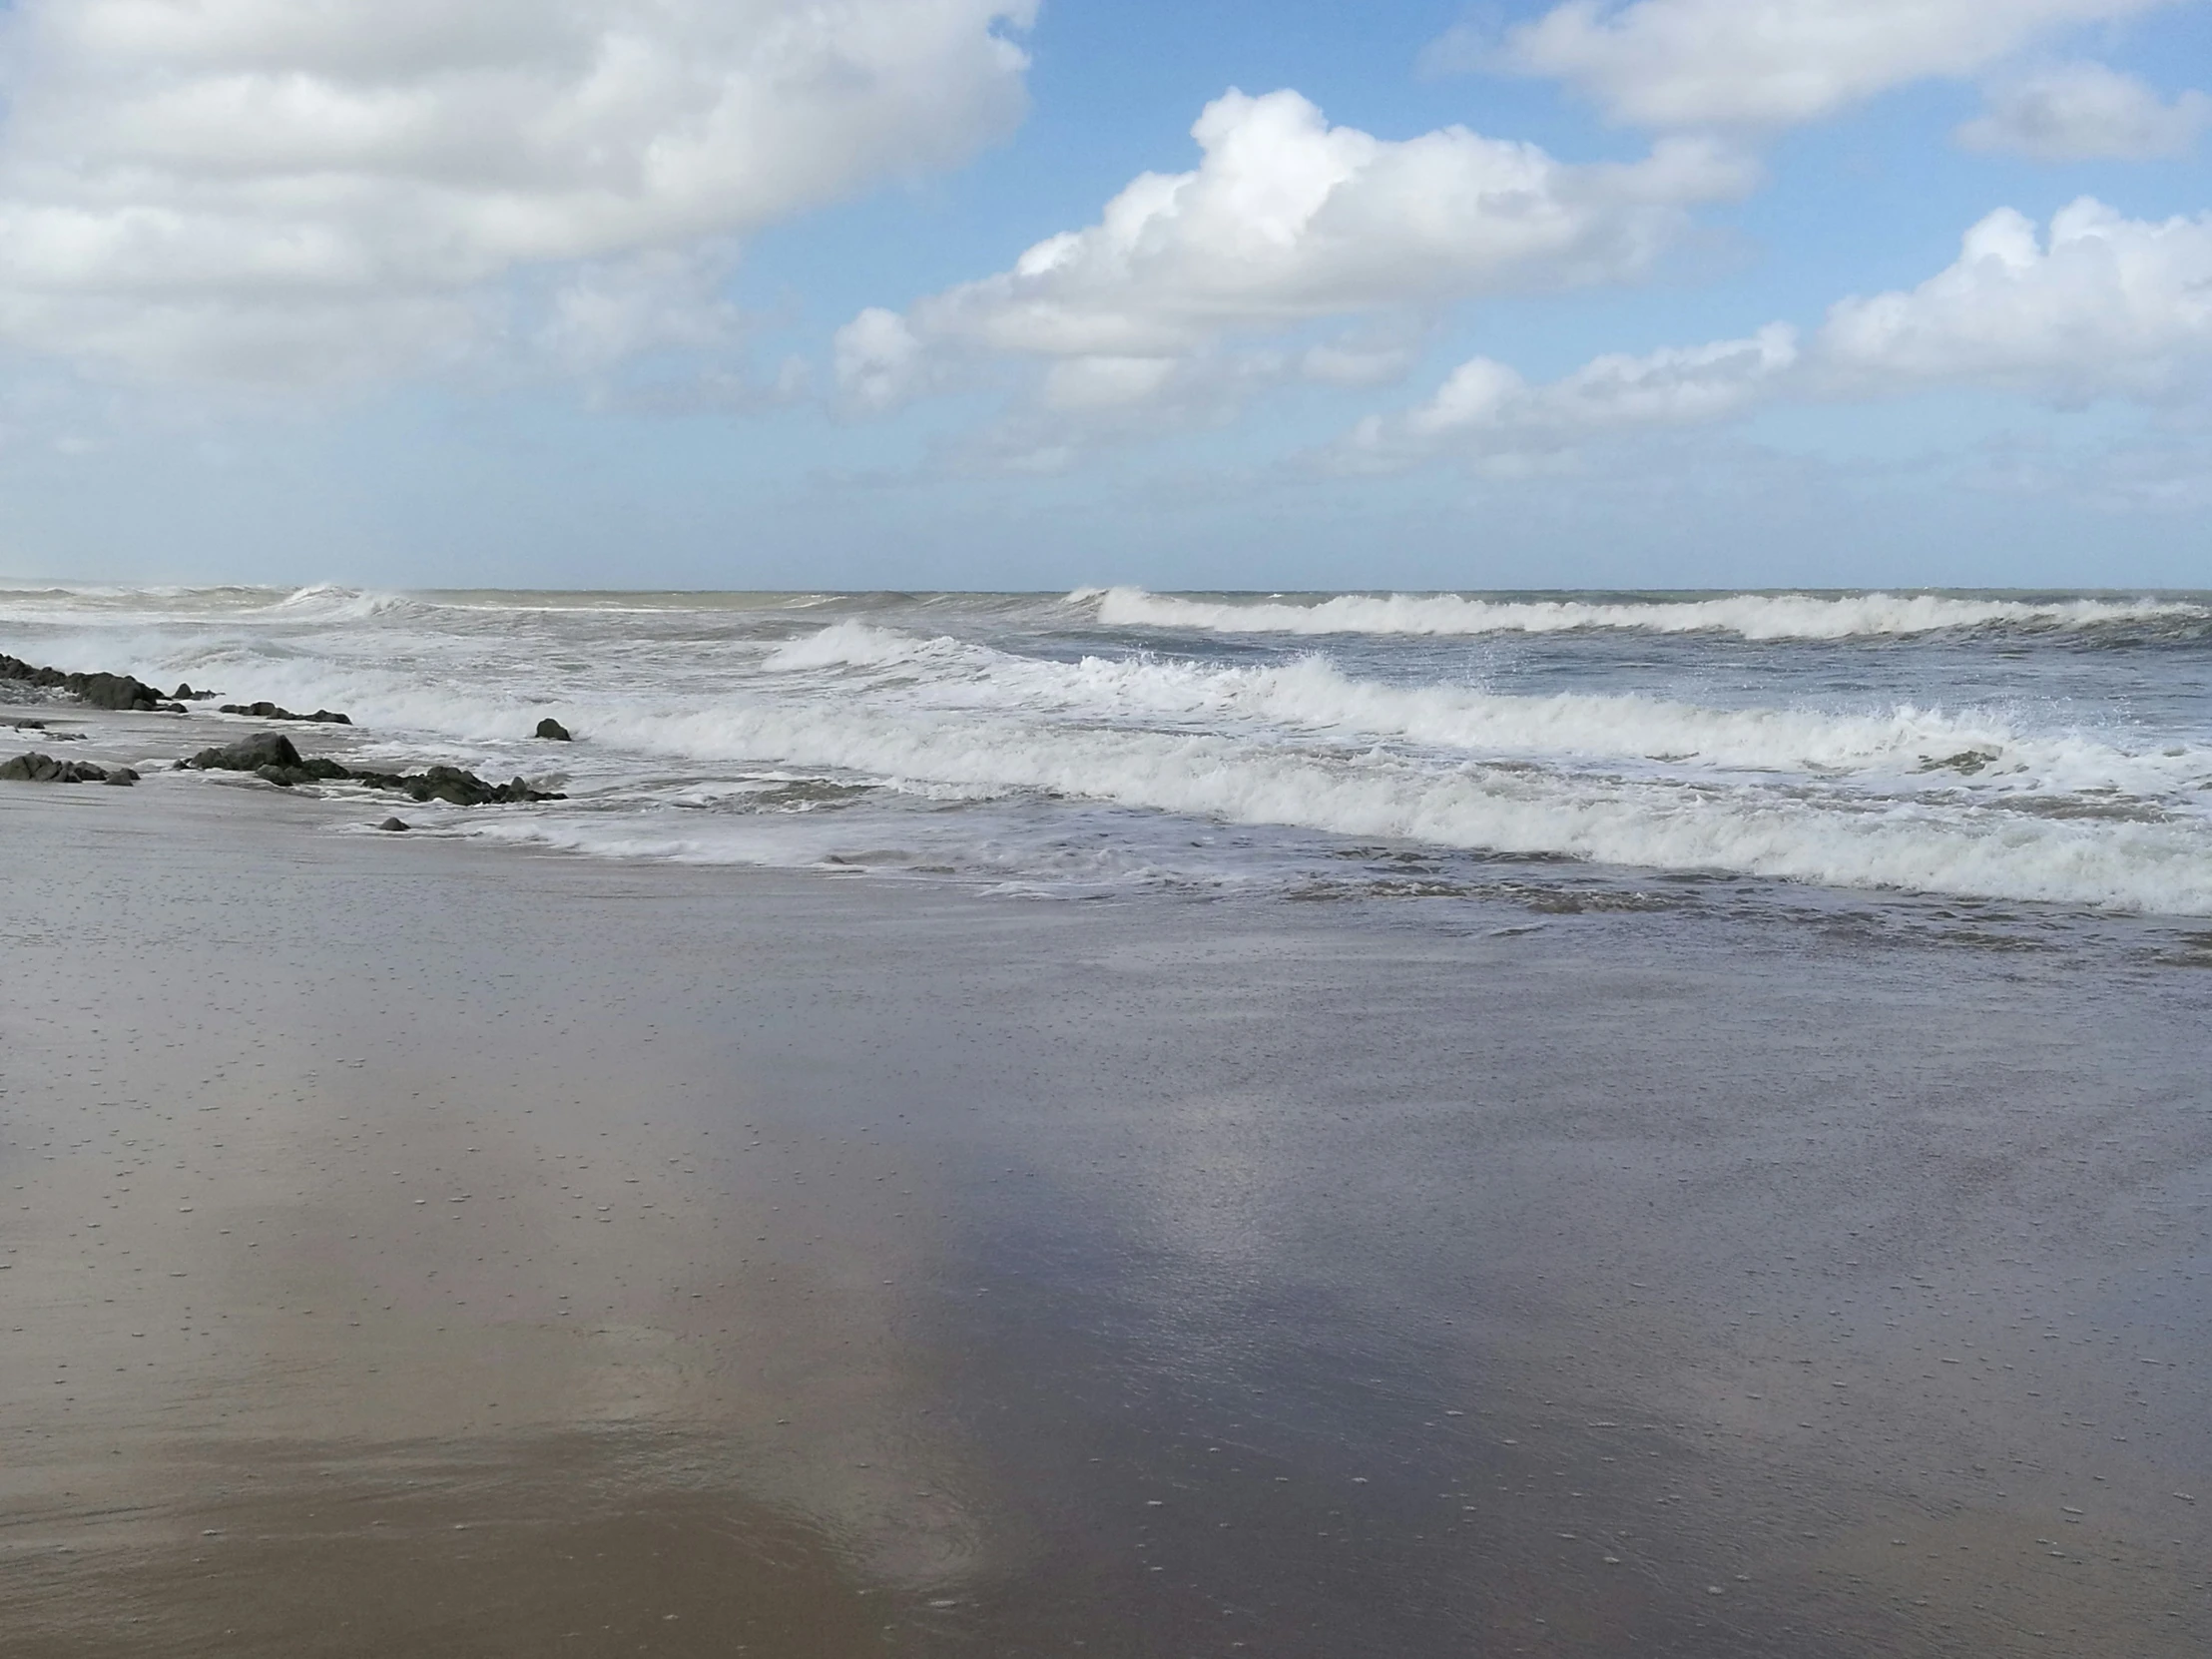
{"type": "Point", "coordinates": [614, 1544]}
{"type": "Point", "coordinates": [413, 1249]}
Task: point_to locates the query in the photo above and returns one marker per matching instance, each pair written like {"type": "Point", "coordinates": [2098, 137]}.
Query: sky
{"type": "Point", "coordinates": [1037, 294]}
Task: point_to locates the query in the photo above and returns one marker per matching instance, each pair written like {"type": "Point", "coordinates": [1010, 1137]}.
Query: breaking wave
{"type": "Point", "coordinates": [1751, 616]}
{"type": "Point", "coordinates": [1028, 742]}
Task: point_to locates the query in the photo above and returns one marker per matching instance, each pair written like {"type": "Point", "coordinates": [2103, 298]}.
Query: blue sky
{"type": "Point", "coordinates": [767, 292]}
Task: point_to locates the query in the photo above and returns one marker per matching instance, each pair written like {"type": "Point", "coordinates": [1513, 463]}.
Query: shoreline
{"type": "Point", "coordinates": [1398, 1266]}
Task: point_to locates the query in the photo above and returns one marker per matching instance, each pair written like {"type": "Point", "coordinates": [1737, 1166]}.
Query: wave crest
{"type": "Point", "coordinates": [1752, 616]}
{"type": "Point", "coordinates": [328, 602]}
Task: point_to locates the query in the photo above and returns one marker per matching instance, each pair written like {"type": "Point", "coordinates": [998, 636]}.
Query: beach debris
{"type": "Point", "coordinates": [272, 757]}
{"type": "Point", "coordinates": [271, 711]}
{"type": "Point", "coordinates": [553, 731]}
{"type": "Point", "coordinates": [102, 691]}
{"type": "Point", "coordinates": [397, 825]}
{"type": "Point", "coordinates": [34, 768]}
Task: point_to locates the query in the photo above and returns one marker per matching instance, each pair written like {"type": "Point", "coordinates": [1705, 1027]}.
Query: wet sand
{"type": "Point", "coordinates": [420, 1248]}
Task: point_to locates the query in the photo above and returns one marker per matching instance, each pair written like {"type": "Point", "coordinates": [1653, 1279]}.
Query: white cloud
{"type": "Point", "coordinates": [1487, 410]}
{"type": "Point", "coordinates": [2086, 112]}
{"type": "Point", "coordinates": [2101, 304]}
{"type": "Point", "coordinates": [1284, 222]}
{"type": "Point", "coordinates": [1765, 62]}
{"type": "Point", "coordinates": [276, 189]}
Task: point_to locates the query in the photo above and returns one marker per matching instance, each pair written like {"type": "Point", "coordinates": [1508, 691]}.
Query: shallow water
{"type": "Point", "coordinates": [2046, 749]}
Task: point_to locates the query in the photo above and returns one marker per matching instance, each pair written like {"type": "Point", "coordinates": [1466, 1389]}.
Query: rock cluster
{"type": "Point", "coordinates": [35, 767]}
{"type": "Point", "coordinates": [102, 691]}
{"type": "Point", "coordinates": [270, 711]}
{"type": "Point", "coordinates": [272, 757]}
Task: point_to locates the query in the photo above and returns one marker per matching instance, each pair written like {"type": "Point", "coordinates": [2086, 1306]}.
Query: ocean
{"type": "Point", "coordinates": [2039, 759]}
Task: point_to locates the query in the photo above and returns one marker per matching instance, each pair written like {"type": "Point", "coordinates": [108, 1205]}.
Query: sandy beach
{"type": "Point", "coordinates": [417, 1246]}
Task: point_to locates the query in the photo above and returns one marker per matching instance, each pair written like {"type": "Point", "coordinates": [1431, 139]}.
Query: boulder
{"type": "Point", "coordinates": [553, 731]}
{"type": "Point", "coordinates": [397, 825]}
{"type": "Point", "coordinates": [270, 756]}
{"type": "Point", "coordinates": [262, 748]}
{"type": "Point", "coordinates": [35, 767]}
{"type": "Point", "coordinates": [32, 768]}
{"type": "Point", "coordinates": [271, 711]}
{"type": "Point", "coordinates": [102, 691]}
{"type": "Point", "coordinates": [465, 789]}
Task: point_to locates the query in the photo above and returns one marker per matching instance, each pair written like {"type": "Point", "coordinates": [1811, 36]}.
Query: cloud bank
{"type": "Point", "coordinates": [1286, 221]}
{"type": "Point", "coordinates": [2080, 112]}
{"type": "Point", "coordinates": [1695, 64]}
{"type": "Point", "coordinates": [2097, 306]}
{"type": "Point", "coordinates": [273, 190]}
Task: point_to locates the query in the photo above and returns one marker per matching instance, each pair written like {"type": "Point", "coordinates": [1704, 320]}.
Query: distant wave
{"type": "Point", "coordinates": [327, 602]}
{"type": "Point", "coordinates": [1314, 697]}
{"type": "Point", "coordinates": [864, 645]}
{"type": "Point", "coordinates": [1787, 616]}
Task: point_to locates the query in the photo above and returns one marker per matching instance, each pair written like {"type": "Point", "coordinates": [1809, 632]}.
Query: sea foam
{"type": "Point", "coordinates": [1753, 616]}
{"type": "Point", "coordinates": [1036, 721]}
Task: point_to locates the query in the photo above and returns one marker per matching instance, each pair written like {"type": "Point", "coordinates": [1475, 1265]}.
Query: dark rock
{"type": "Point", "coordinates": [270, 711]}
{"type": "Point", "coordinates": [395, 824]}
{"type": "Point", "coordinates": [1967, 761]}
{"type": "Point", "coordinates": [35, 767]}
{"type": "Point", "coordinates": [102, 691]}
{"type": "Point", "coordinates": [455, 787]}
{"type": "Point", "coordinates": [553, 731]}
{"type": "Point", "coordinates": [262, 748]}
{"type": "Point", "coordinates": [271, 756]}
{"type": "Point", "coordinates": [464, 788]}
{"type": "Point", "coordinates": [184, 693]}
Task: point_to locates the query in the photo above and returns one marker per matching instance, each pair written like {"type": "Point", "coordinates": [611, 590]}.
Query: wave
{"type": "Point", "coordinates": [1938, 846]}
{"type": "Point", "coordinates": [1957, 802]}
{"type": "Point", "coordinates": [1751, 616]}
{"type": "Point", "coordinates": [864, 645]}
{"type": "Point", "coordinates": [328, 602]}
{"type": "Point", "coordinates": [1315, 698]}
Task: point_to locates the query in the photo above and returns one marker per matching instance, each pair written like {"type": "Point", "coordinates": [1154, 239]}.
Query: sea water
{"type": "Point", "coordinates": [2051, 751]}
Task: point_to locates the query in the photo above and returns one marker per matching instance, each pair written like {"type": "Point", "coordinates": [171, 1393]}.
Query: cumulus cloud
{"type": "Point", "coordinates": [2099, 306]}
{"type": "Point", "coordinates": [1284, 222]}
{"type": "Point", "coordinates": [1764, 63]}
{"type": "Point", "coordinates": [2086, 112]}
{"type": "Point", "coordinates": [271, 189]}
{"type": "Point", "coordinates": [1487, 410]}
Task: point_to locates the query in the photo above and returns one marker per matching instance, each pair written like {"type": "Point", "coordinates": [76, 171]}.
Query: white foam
{"type": "Point", "coordinates": [864, 645]}
{"type": "Point", "coordinates": [1784, 616]}
{"type": "Point", "coordinates": [1313, 698]}
{"type": "Point", "coordinates": [328, 602]}
{"type": "Point", "coordinates": [1971, 850]}
{"type": "Point", "coordinates": [1853, 796]}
